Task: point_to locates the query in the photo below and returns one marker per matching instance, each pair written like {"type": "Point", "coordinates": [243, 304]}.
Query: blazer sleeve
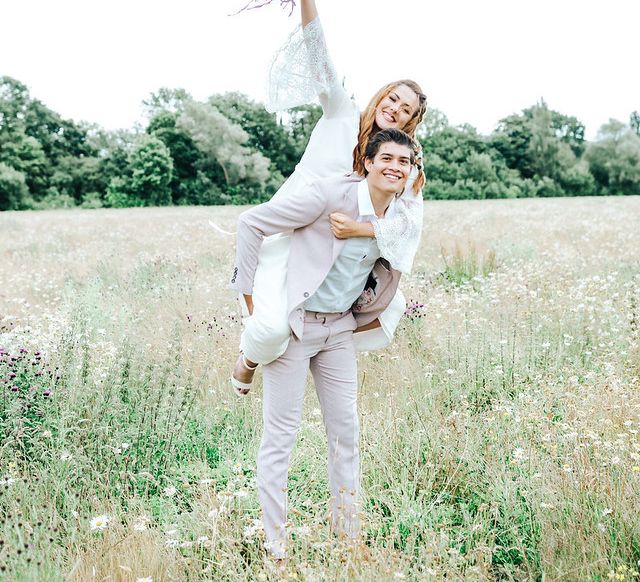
{"type": "Point", "coordinates": [282, 215]}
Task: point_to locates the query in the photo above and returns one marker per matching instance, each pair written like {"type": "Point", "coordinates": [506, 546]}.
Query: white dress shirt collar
{"type": "Point", "coordinates": [365, 204]}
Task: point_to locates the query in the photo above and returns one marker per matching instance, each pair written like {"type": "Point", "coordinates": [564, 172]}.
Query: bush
{"type": "Point", "coordinates": [54, 200]}
{"type": "Point", "coordinates": [91, 200]}
{"type": "Point", "coordinates": [14, 193]}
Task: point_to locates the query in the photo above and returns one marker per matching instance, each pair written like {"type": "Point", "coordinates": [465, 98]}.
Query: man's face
{"type": "Point", "coordinates": [390, 168]}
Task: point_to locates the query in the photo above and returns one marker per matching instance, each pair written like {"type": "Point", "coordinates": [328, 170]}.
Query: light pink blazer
{"type": "Point", "coordinates": [314, 249]}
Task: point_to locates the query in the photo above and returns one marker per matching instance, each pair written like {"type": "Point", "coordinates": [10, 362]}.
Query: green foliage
{"type": "Point", "coordinates": [36, 141]}
{"type": "Point", "coordinates": [230, 150]}
{"type": "Point", "coordinates": [614, 159]}
{"type": "Point", "coordinates": [151, 169]}
{"type": "Point", "coordinates": [14, 192]}
{"type": "Point", "coordinates": [27, 384]}
{"type": "Point", "coordinates": [264, 132]}
{"type": "Point", "coordinates": [634, 122]}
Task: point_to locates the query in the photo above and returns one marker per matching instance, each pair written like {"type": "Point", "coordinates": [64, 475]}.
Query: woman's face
{"type": "Point", "coordinates": [397, 108]}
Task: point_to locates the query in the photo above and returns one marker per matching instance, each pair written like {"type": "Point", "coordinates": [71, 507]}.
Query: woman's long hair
{"type": "Point", "coordinates": [368, 127]}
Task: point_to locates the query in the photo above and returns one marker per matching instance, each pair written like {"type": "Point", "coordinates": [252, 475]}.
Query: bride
{"type": "Point", "coordinates": [302, 71]}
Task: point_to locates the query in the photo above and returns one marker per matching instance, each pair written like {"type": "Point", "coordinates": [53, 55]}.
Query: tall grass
{"type": "Point", "coordinates": [499, 432]}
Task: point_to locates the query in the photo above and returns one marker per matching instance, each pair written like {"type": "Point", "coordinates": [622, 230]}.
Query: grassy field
{"type": "Point", "coordinates": [499, 433]}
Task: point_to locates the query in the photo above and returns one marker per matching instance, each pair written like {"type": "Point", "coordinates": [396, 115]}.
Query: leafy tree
{"type": "Point", "coordinates": [614, 159]}
{"type": "Point", "coordinates": [300, 121]}
{"type": "Point", "coordinates": [34, 139]}
{"type": "Point", "coordinates": [14, 192]}
{"type": "Point", "coordinates": [512, 139]}
{"type": "Point", "coordinates": [264, 132]}
{"type": "Point", "coordinates": [634, 122]}
{"type": "Point", "coordinates": [165, 100]}
{"type": "Point", "coordinates": [151, 168]}
{"type": "Point", "coordinates": [434, 121]}
{"type": "Point", "coordinates": [225, 144]}
{"type": "Point", "coordinates": [190, 183]}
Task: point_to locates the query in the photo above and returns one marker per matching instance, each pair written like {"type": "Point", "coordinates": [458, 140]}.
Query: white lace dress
{"type": "Point", "coordinates": [301, 72]}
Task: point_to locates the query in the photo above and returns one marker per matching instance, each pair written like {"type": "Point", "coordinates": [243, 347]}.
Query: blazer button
{"type": "Point", "coordinates": [306, 294]}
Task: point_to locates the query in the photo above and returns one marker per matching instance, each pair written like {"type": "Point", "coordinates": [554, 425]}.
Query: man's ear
{"type": "Point", "coordinates": [368, 164]}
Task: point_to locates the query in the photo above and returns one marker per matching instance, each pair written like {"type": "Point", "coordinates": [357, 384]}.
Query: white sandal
{"type": "Point", "coordinates": [238, 386]}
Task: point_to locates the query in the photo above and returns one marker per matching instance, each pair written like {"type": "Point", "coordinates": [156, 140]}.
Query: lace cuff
{"type": "Point", "coordinates": [301, 70]}
{"type": "Point", "coordinates": [398, 237]}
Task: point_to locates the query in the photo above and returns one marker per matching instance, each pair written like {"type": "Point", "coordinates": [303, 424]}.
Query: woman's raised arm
{"type": "Point", "coordinates": [308, 11]}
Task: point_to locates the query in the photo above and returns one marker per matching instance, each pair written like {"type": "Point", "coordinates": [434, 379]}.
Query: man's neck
{"type": "Point", "coordinates": [380, 200]}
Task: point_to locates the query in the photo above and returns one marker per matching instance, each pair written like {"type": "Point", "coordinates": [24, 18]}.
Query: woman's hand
{"type": "Point", "coordinates": [344, 226]}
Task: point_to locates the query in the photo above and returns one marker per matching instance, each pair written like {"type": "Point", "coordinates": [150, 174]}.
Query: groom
{"type": "Point", "coordinates": [333, 287]}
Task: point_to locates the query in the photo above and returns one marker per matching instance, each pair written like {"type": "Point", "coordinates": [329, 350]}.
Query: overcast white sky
{"type": "Point", "coordinates": [478, 61]}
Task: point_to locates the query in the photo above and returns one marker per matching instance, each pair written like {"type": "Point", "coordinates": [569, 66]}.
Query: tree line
{"type": "Point", "coordinates": [229, 150]}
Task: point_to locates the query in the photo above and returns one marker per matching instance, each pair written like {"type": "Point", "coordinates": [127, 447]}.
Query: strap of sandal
{"type": "Point", "coordinates": [246, 364]}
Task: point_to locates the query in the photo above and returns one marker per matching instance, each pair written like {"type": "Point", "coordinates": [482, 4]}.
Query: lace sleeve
{"type": "Point", "coordinates": [399, 236]}
{"type": "Point", "coordinates": [302, 70]}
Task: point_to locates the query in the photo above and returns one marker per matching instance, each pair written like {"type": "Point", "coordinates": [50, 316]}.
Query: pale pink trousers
{"type": "Point", "coordinates": [327, 350]}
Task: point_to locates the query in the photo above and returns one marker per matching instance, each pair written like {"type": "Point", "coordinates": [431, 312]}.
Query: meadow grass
{"type": "Point", "coordinates": [499, 433]}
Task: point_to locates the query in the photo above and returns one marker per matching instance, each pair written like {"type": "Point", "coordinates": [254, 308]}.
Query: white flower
{"type": "Point", "coordinates": [139, 526]}
{"type": "Point", "coordinates": [242, 493]}
{"type": "Point", "coordinates": [145, 579]}
{"type": "Point", "coordinates": [206, 481]}
{"type": "Point", "coordinates": [171, 543]}
{"type": "Point", "coordinates": [519, 455]}
{"type": "Point", "coordinates": [8, 481]}
{"type": "Point", "coordinates": [202, 540]}
{"type": "Point", "coordinates": [213, 513]}
{"type": "Point", "coordinates": [124, 447]}
{"type": "Point", "coordinates": [303, 531]}
{"type": "Point", "coordinates": [606, 511]}
{"type": "Point", "coordinates": [99, 522]}
{"type": "Point", "coordinates": [65, 456]}
{"type": "Point", "coordinates": [169, 491]}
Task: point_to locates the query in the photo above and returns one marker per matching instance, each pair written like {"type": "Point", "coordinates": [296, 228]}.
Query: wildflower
{"type": "Point", "coordinates": [65, 456]}
{"type": "Point", "coordinates": [241, 494]}
{"type": "Point", "coordinates": [169, 491]}
{"type": "Point", "coordinates": [145, 579]}
{"type": "Point", "coordinates": [99, 522]}
{"type": "Point", "coordinates": [139, 526]}
{"type": "Point", "coordinates": [303, 531]}
{"type": "Point", "coordinates": [171, 543]}
{"type": "Point", "coordinates": [8, 481]}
